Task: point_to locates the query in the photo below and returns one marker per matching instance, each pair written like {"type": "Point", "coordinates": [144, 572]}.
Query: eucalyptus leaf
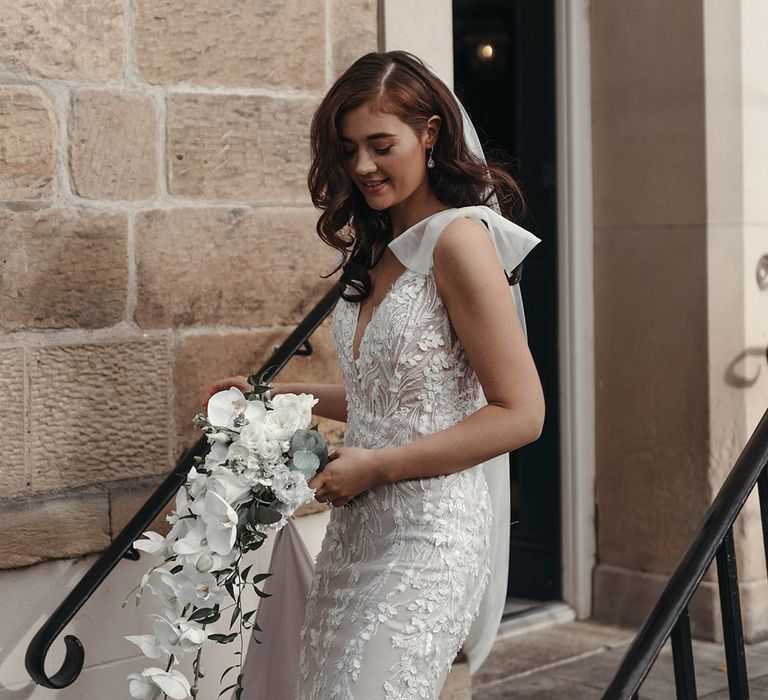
{"type": "Point", "coordinates": [265, 515]}
{"type": "Point", "coordinates": [223, 638]}
{"type": "Point", "coordinates": [305, 462]}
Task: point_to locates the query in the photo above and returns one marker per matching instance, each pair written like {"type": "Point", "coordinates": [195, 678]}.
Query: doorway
{"type": "Point", "coordinates": [504, 74]}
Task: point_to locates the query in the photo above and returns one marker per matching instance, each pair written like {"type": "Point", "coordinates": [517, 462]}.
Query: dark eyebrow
{"type": "Point", "coordinates": [371, 137]}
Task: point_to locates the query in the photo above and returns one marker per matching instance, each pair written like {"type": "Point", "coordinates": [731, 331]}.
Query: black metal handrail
{"type": "Point", "coordinates": [713, 539]}
{"type": "Point", "coordinates": [297, 343]}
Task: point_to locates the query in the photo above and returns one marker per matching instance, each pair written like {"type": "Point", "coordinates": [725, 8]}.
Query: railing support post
{"type": "Point", "coordinates": [682, 657]}
{"type": "Point", "coordinates": [730, 607]}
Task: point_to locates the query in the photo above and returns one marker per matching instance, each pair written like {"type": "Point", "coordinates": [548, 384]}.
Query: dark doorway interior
{"type": "Point", "coordinates": [510, 97]}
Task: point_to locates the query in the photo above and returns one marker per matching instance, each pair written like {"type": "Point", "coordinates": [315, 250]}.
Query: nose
{"type": "Point", "coordinates": [364, 165]}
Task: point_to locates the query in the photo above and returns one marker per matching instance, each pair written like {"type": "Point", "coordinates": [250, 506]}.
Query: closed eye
{"type": "Point", "coordinates": [379, 151]}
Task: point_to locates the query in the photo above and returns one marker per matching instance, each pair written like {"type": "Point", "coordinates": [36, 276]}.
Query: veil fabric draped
{"type": "Point", "coordinates": [483, 631]}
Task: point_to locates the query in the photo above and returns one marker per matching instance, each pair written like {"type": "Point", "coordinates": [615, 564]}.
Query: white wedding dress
{"type": "Point", "coordinates": [404, 571]}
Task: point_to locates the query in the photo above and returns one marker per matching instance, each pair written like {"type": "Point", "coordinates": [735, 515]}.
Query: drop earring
{"type": "Point", "coordinates": [431, 162]}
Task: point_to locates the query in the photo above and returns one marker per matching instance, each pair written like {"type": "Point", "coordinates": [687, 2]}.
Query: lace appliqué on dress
{"type": "Point", "coordinates": [401, 573]}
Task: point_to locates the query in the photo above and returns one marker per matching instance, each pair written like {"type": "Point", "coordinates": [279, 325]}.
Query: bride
{"type": "Point", "coordinates": [438, 386]}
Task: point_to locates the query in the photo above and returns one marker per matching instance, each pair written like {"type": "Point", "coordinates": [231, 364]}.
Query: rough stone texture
{"type": "Point", "coordinates": [62, 268]}
{"type": "Point", "coordinates": [231, 267]}
{"type": "Point", "coordinates": [56, 528]}
{"type": "Point", "coordinates": [246, 147]}
{"type": "Point", "coordinates": [112, 149]}
{"type": "Point", "coordinates": [202, 359]}
{"type": "Point", "coordinates": [13, 476]}
{"type": "Point", "coordinates": [98, 412]}
{"type": "Point", "coordinates": [28, 137]}
{"type": "Point", "coordinates": [279, 44]}
{"type": "Point", "coordinates": [354, 32]}
{"type": "Point", "coordinates": [125, 499]}
{"type": "Point", "coordinates": [68, 40]}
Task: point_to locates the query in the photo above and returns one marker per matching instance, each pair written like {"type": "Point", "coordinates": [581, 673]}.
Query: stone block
{"type": "Point", "coordinates": [649, 120]}
{"type": "Point", "coordinates": [113, 148]}
{"type": "Point", "coordinates": [239, 147]}
{"type": "Point", "coordinates": [29, 134]}
{"type": "Point", "coordinates": [62, 268]}
{"type": "Point", "coordinates": [228, 267]}
{"type": "Point", "coordinates": [652, 425]}
{"type": "Point", "coordinates": [125, 500]}
{"type": "Point", "coordinates": [231, 43]}
{"type": "Point", "coordinates": [13, 469]}
{"type": "Point", "coordinates": [354, 32]}
{"type": "Point", "coordinates": [60, 40]}
{"type": "Point", "coordinates": [99, 413]}
{"type": "Point", "coordinates": [202, 359]}
{"type": "Point", "coordinates": [62, 527]}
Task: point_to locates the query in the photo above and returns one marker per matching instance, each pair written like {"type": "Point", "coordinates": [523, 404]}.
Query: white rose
{"type": "Point", "coordinates": [269, 451]}
{"type": "Point", "coordinates": [233, 488]}
{"type": "Point", "coordinates": [290, 412]}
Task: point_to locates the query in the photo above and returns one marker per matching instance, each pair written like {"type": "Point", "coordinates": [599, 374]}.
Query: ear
{"type": "Point", "coordinates": [432, 130]}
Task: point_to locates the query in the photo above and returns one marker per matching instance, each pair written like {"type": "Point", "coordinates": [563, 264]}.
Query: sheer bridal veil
{"type": "Point", "coordinates": [482, 633]}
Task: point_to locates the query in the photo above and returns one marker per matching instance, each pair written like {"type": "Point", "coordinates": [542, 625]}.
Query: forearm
{"type": "Point", "coordinates": [332, 398]}
{"type": "Point", "coordinates": [490, 431]}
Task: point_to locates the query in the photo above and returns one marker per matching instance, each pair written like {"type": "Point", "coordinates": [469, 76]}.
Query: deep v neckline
{"type": "Point", "coordinates": [395, 282]}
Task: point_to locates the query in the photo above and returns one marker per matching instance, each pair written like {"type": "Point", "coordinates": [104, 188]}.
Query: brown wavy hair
{"type": "Point", "coordinates": [398, 83]}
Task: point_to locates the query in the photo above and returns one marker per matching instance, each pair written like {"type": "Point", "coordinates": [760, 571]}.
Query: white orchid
{"type": "Point", "coordinates": [194, 587]}
{"type": "Point", "coordinates": [249, 442]}
{"type": "Point", "coordinates": [220, 521]}
{"type": "Point", "coordinates": [150, 646]}
{"type": "Point", "coordinates": [178, 637]}
{"type": "Point", "coordinates": [216, 455]}
{"type": "Point", "coordinates": [225, 406]}
{"type": "Point", "coordinates": [154, 544]}
{"type": "Point", "coordinates": [153, 681]}
{"type": "Point", "coordinates": [196, 483]}
{"type": "Point", "coordinates": [178, 518]}
{"type": "Point", "coordinates": [193, 543]}
{"type": "Point", "coordinates": [170, 604]}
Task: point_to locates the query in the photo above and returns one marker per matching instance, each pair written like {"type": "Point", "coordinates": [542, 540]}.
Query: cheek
{"type": "Point", "coordinates": [407, 168]}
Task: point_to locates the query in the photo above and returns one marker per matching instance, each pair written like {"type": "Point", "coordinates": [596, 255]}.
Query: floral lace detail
{"type": "Point", "coordinates": [402, 572]}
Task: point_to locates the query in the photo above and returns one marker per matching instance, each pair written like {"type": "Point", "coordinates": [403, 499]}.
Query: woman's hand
{"type": "Point", "coordinates": [351, 471]}
{"type": "Point", "coordinates": [239, 381]}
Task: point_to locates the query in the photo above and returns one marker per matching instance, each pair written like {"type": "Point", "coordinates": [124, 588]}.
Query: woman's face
{"type": "Point", "coordinates": [379, 148]}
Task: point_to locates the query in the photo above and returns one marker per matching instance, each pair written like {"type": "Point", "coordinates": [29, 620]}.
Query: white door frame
{"type": "Point", "coordinates": [426, 29]}
{"type": "Point", "coordinates": [575, 302]}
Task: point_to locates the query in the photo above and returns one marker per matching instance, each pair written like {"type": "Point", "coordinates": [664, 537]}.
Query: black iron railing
{"type": "Point", "coordinates": [669, 617]}
{"type": "Point", "coordinates": [297, 343]}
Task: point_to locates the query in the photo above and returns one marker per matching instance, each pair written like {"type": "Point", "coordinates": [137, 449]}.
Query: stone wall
{"type": "Point", "coordinates": [680, 324]}
{"type": "Point", "coordinates": [156, 234]}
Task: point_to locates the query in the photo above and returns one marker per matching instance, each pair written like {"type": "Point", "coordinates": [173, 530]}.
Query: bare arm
{"type": "Point", "coordinates": [476, 295]}
{"type": "Point", "coordinates": [332, 398]}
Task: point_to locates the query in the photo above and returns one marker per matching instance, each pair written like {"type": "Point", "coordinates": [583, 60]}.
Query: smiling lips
{"type": "Point", "coordinates": [375, 185]}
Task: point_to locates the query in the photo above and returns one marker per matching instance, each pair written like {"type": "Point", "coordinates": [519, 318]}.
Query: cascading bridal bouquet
{"type": "Point", "coordinates": [262, 453]}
